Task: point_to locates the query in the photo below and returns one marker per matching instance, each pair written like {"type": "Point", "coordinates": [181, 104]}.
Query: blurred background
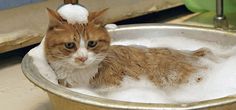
{"type": "Point", "coordinates": [24, 22]}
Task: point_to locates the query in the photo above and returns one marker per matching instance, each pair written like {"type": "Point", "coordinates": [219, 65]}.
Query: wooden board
{"type": "Point", "coordinates": [26, 25]}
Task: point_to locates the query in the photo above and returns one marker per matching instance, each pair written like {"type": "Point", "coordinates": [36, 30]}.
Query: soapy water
{"type": "Point", "coordinates": [218, 81]}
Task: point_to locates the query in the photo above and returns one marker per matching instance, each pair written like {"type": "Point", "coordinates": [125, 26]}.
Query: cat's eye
{"type": "Point", "coordinates": [70, 45]}
{"type": "Point", "coordinates": [92, 44]}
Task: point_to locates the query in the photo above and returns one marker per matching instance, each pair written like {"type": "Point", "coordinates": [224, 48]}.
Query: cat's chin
{"type": "Point", "coordinates": [82, 66]}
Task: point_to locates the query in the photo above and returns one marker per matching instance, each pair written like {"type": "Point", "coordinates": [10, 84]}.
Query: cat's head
{"type": "Point", "coordinates": [79, 44]}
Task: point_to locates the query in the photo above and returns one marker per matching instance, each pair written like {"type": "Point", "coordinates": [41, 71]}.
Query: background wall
{"type": "Point", "coordinates": [4, 4]}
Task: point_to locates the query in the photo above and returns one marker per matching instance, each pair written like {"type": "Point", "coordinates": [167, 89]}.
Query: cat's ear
{"type": "Point", "coordinates": [55, 19]}
{"type": "Point", "coordinates": [97, 18]}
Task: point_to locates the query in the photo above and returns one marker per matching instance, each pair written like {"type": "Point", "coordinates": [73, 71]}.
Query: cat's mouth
{"type": "Point", "coordinates": [83, 65]}
{"type": "Point", "coordinates": [80, 65]}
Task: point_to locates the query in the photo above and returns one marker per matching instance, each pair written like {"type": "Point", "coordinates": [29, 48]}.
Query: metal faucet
{"type": "Point", "coordinates": [220, 20]}
{"type": "Point", "coordinates": [71, 1]}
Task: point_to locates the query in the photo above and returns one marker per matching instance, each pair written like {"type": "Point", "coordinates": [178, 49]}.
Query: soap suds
{"type": "Point", "coordinates": [40, 61]}
{"type": "Point", "coordinates": [138, 91]}
{"type": "Point", "coordinates": [218, 81]}
{"type": "Point", "coordinates": [111, 26]}
{"type": "Point", "coordinates": [74, 14]}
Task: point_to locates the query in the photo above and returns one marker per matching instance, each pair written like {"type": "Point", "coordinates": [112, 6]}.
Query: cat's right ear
{"type": "Point", "coordinates": [55, 19]}
{"type": "Point", "coordinates": [97, 17]}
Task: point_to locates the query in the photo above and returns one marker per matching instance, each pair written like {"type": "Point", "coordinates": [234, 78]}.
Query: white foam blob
{"type": "Point", "coordinates": [218, 81]}
{"type": "Point", "coordinates": [144, 92]}
{"type": "Point", "coordinates": [111, 26]}
{"type": "Point", "coordinates": [74, 13]}
{"type": "Point", "coordinates": [40, 61]}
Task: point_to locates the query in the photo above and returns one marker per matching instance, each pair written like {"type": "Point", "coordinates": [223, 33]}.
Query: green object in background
{"type": "Point", "coordinates": [209, 5]}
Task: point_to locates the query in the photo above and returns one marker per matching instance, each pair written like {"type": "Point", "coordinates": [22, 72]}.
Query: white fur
{"type": "Point", "coordinates": [74, 13]}
{"type": "Point", "coordinates": [73, 74]}
{"type": "Point", "coordinates": [82, 51]}
{"type": "Point", "coordinates": [78, 74]}
{"type": "Point", "coordinates": [82, 43]}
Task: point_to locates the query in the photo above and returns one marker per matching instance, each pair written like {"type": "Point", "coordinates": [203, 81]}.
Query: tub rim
{"type": "Point", "coordinates": [33, 75]}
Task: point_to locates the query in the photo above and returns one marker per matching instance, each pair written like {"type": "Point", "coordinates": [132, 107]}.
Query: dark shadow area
{"type": "Point", "coordinates": [158, 17]}
{"type": "Point", "coordinates": [14, 57]}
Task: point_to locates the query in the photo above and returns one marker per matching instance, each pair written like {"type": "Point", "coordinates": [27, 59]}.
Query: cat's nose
{"type": "Point", "coordinates": [82, 59]}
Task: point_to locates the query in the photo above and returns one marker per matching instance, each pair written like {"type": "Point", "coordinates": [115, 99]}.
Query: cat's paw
{"type": "Point", "coordinates": [202, 52]}
{"type": "Point", "coordinates": [207, 53]}
{"type": "Point", "coordinates": [64, 83]}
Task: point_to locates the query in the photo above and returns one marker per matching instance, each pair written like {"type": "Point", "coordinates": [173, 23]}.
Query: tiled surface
{"type": "Point", "coordinates": [16, 92]}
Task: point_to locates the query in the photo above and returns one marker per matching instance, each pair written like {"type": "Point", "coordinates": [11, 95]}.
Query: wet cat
{"type": "Point", "coordinates": [81, 55]}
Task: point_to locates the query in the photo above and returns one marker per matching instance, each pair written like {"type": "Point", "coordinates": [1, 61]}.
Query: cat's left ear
{"type": "Point", "coordinates": [55, 19]}
{"type": "Point", "coordinates": [97, 18]}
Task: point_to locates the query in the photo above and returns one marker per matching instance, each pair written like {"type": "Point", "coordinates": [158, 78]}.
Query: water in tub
{"type": "Point", "coordinates": [219, 81]}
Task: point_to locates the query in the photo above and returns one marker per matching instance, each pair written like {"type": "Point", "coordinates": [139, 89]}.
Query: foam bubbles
{"type": "Point", "coordinates": [138, 91]}
{"type": "Point", "coordinates": [40, 61]}
{"type": "Point", "coordinates": [111, 26]}
{"type": "Point", "coordinates": [74, 13]}
{"type": "Point", "coordinates": [218, 81]}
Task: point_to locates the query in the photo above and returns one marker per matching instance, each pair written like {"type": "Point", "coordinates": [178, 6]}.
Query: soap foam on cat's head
{"type": "Point", "coordinates": [74, 13]}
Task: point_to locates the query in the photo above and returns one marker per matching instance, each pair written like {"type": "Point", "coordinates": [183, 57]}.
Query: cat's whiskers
{"type": "Point", "coordinates": [67, 64]}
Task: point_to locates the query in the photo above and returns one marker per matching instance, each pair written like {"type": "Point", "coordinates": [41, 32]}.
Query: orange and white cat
{"type": "Point", "coordinates": [81, 55]}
